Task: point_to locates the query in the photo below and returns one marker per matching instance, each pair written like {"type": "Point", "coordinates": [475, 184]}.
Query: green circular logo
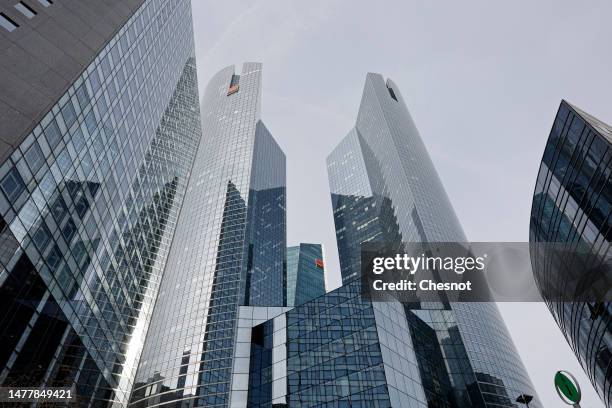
{"type": "Point", "coordinates": [567, 387]}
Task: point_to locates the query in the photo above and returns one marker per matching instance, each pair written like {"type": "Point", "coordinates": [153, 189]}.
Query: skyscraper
{"type": "Point", "coordinates": [305, 273]}
{"type": "Point", "coordinates": [572, 204]}
{"type": "Point", "coordinates": [228, 250]}
{"type": "Point", "coordinates": [101, 122]}
{"type": "Point", "coordinates": [385, 189]}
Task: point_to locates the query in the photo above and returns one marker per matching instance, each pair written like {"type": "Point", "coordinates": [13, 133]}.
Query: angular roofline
{"type": "Point", "coordinates": [597, 125]}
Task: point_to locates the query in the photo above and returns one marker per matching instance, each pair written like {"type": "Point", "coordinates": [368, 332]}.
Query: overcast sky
{"type": "Point", "coordinates": [482, 80]}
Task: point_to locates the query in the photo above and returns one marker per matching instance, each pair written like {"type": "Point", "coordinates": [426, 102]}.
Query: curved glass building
{"type": "Point", "coordinates": [572, 204]}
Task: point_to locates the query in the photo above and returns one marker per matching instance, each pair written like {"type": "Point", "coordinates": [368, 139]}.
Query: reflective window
{"type": "Point", "coordinates": [12, 185]}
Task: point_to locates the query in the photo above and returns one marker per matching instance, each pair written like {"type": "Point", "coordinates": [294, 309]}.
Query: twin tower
{"type": "Point", "coordinates": [221, 333]}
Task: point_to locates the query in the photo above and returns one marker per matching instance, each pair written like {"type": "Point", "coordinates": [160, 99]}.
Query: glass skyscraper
{"type": "Point", "coordinates": [228, 250]}
{"type": "Point", "coordinates": [90, 194]}
{"type": "Point", "coordinates": [305, 273]}
{"type": "Point", "coordinates": [385, 189]}
{"type": "Point", "coordinates": [572, 204]}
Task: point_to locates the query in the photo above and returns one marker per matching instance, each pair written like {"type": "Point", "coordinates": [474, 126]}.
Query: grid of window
{"type": "Point", "coordinates": [188, 353]}
{"type": "Point", "coordinates": [260, 365]}
{"type": "Point", "coordinates": [267, 229]}
{"type": "Point", "coordinates": [361, 214]}
{"type": "Point", "coordinates": [330, 356]}
{"type": "Point", "coordinates": [90, 200]}
{"type": "Point", "coordinates": [293, 257]}
{"type": "Point", "coordinates": [402, 367]}
{"type": "Point", "coordinates": [305, 273]}
{"type": "Point", "coordinates": [572, 204]}
{"type": "Point", "coordinates": [259, 373]}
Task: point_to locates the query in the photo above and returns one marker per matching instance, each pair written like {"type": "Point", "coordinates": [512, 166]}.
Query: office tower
{"type": "Point", "coordinates": [385, 189]}
{"type": "Point", "coordinates": [305, 273]}
{"type": "Point", "coordinates": [572, 205]}
{"type": "Point", "coordinates": [228, 250]}
{"type": "Point", "coordinates": [101, 122]}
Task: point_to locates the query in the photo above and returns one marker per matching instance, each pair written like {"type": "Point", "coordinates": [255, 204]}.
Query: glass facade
{"type": "Point", "coordinates": [305, 273]}
{"type": "Point", "coordinates": [572, 204]}
{"type": "Point", "coordinates": [358, 210]}
{"type": "Point", "coordinates": [337, 350]}
{"type": "Point", "coordinates": [258, 357]}
{"type": "Point", "coordinates": [267, 228]}
{"type": "Point", "coordinates": [385, 188]}
{"type": "Point", "coordinates": [330, 357]}
{"type": "Point", "coordinates": [228, 250]}
{"type": "Point", "coordinates": [89, 204]}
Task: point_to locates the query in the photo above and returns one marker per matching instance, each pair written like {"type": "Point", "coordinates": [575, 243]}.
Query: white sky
{"type": "Point", "coordinates": [482, 80]}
